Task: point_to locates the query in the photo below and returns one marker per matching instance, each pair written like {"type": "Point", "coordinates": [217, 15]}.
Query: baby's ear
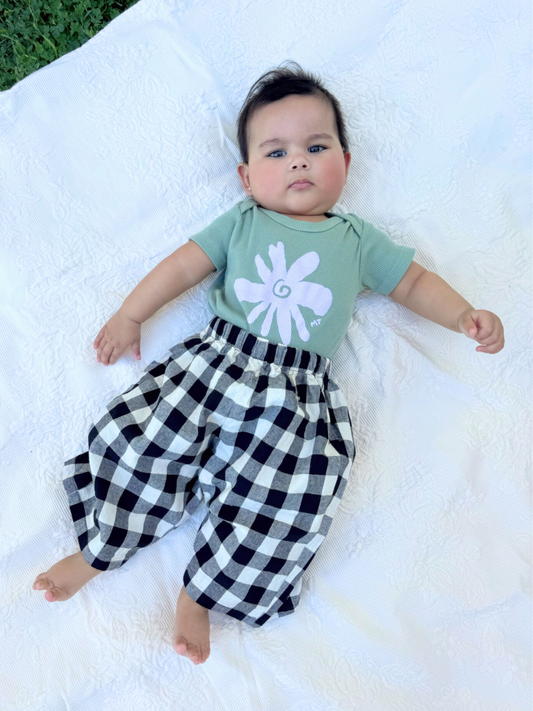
{"type": "Point", "coordinates": [242, 170]}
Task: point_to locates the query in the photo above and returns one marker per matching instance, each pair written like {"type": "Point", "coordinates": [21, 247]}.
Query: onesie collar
{"type": "Point", "coordinates": [303, 225]}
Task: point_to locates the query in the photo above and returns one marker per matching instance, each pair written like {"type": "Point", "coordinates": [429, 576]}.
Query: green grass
{"type": "Point", "coordinates": [34, 33]}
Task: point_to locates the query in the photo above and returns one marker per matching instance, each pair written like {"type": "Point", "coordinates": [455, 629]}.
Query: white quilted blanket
{"type": "Point", "coordinates": [110, 157]}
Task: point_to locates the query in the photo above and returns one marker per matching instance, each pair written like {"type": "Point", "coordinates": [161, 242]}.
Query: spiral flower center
{"type": "Point", "coordinates": [281, 290]}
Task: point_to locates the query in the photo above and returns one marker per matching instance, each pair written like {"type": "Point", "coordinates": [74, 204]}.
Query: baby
{"type": "Point", "coordinates": [244, 415]}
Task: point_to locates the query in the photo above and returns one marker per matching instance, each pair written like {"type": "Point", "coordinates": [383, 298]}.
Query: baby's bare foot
{"type": "Point", "coordinates": [65, 578]}
{"type": "Point", "coordinates": [191, 631]}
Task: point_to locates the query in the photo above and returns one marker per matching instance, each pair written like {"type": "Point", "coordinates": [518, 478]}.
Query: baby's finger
{"type": "Point", "coordinates": [115, 355]}
{"type": "Point", "coordinates": [491, 338]}
{"type": "Point", "coordinates": [105, 352]}
{"type": "Point", "coordinates": [98, 339]}
{"type": "Point", "coordinates": [494, 346]}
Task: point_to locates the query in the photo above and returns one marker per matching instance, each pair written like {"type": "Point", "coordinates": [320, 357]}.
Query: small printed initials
{"type": "Point", "coordinates": [316, 323]}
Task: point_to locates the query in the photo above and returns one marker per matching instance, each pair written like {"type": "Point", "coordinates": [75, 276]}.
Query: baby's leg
{"type": "Point", "coordinates": [65, 578]}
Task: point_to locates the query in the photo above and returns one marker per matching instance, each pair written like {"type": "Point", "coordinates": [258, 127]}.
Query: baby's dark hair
{"type": "Point", "coordinates": [274, 85]}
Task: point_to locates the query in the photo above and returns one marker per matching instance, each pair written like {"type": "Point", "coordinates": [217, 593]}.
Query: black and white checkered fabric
{"type": "Point", "coordinates": [255, 430]}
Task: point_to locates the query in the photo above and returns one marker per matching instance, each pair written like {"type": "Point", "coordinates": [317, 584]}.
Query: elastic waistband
{"type": "Point", "coordinates": [257, 347]}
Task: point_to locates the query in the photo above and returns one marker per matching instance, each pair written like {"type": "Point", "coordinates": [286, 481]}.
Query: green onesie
{"type": "Point", "coordinates": [295, 282]}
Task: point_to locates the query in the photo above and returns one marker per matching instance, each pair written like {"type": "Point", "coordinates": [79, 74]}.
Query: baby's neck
{"type": "Point", "coordinates": [307, 218]}
{"type": "Point", "coordinates": [303, 218]}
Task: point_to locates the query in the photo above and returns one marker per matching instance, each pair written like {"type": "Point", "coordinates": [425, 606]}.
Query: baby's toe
{"type": "Point", "coordinates": [42, 583]}
{"type": "Point", "coordinates": [194, 653]}
{"type": "Point", "coordinates": [57, 593]}
{"type": "Point", "coordinates": [198, 654]}
{"type": "Point", "coordinates": [180, 646]}
{"type": "Point", "coordinates": [52, 592]}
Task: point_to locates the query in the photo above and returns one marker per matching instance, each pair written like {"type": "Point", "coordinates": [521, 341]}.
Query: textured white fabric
{"type": "Point", "coordinates": [110, 157]}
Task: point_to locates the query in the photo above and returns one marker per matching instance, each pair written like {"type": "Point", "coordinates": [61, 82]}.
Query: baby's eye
{"type": "Point", "coordinates": [280, 151]}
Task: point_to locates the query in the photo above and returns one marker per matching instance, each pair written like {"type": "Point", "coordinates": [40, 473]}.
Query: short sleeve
{"type": "Point", "coordinates": [215, 238]}
{"type": "Point", "coordinates": [383, 262]}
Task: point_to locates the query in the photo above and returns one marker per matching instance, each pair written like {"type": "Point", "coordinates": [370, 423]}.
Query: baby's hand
{"type": "Point", "coordinates": [484, 327]}
{"type": "Point", "coordinates": [117, 334]}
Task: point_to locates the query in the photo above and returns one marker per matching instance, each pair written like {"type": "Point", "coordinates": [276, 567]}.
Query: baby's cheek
{"type": "Point", "coordinates": [271, 182]}
{"type": "Point", "coordinates": [274, 178]}
{"type": "Point", "coordinates": [334, 174]}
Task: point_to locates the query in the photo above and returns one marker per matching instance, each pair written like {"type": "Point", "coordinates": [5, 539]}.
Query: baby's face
{"type": "Point", "coordinates": [272, 168]}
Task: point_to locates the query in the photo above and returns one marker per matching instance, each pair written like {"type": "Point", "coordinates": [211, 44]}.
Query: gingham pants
{"type": "Point", "coordinates": [254, 429]}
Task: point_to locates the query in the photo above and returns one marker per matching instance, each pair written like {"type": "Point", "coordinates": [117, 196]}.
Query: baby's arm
{"type": "Point", "coordinates": [427, 295]}
{"type": "Point", "coordinates": [180, 271]}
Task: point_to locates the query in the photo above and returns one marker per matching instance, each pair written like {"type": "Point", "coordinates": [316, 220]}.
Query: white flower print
{"type": "Point", "coordinates": [283, 291]}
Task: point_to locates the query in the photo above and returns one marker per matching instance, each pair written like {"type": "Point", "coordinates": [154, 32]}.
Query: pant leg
{"type": "Point", "coordinates": [276, 477]}
{"type": "Point", "coordinates": [139, 475]}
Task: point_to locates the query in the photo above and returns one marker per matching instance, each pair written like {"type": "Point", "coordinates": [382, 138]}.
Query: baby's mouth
{"type": "Point", "coordinates": [301, 184]}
